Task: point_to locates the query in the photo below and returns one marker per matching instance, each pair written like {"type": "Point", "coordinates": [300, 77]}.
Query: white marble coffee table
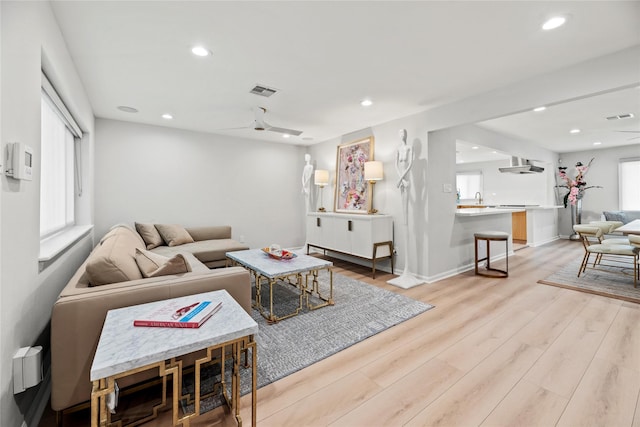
{"type": "Point", "coordinates": [125, 349]}
{"type": "Point", "coordinates": [263, 267]}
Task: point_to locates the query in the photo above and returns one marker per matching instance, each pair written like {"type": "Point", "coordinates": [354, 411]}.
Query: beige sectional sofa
{"type": "Point", "coordinates": [113, 277]}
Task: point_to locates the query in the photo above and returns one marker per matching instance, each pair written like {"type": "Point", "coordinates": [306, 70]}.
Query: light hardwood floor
{"type": "Point", "coordinates": [494, 352]}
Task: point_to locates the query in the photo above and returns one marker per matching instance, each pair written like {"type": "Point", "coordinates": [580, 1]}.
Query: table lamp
{"type": "Point", "coordinates": [373, 173]}
{"type": "Point", "coordinates": [321, 179]}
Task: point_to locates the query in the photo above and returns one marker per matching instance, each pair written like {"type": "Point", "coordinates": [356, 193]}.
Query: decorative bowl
{"type": "Point", "coordinates": [279, 254]}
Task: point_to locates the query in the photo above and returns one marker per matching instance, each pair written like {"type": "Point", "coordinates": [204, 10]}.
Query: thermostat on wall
{"type": "Point", "coordinates": [19, 161]}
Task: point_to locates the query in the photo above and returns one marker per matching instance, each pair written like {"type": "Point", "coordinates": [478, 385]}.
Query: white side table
{"type": "Point", "coordinates": [125, 349]}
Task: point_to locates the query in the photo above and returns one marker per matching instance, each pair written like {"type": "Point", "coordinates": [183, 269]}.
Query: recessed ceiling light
{"type": "Point", "coordinates": [366, 102]}
{"type": "Point", "coordinates": [167, 116]}
{"type": "Point", "coordinates": [127, 109]}
{"type": "Point", "coordinates": [286, 135]}
{"type": "Point", "coordinates": [597, 143]}
{"type": "Point", "coordinates": [538, 109]}
{"type": "Point", "coordinates": [554, 22]}
{"type": "Point", "coordinates": [475, 147]}
{"type": "Point", "coordinates": [200, 51]}
{"type": "Point", "coordinates": [574, 131]}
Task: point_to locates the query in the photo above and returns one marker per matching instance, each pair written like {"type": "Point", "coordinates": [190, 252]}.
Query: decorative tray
{"type": "Point", "coordinates": [279, 254]}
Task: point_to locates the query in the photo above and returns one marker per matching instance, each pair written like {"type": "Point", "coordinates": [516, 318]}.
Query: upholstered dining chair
{"type": "Point", "coordinates": [609, 227]}
{"type": "Point", "coordinates": [591, 236]}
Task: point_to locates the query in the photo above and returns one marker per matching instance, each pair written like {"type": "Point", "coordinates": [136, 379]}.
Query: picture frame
{"type": "Point", "coordinates": [352, 192]}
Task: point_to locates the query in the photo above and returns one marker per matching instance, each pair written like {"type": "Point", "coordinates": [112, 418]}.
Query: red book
{"type": "Point", "coordinates": [176, 314]}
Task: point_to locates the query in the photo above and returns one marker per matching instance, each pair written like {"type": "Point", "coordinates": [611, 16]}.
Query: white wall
{"type": "Point", "coordinates": [436, 246]}
{"type": "Point", "coordinates": [155, 174]}
{"type": "Point", "coordinates": [31, 40]}
{"type": "Point", "coordinates": [507, 188]}
{"type": "Point", "coordinates": [387, 198]}
{"type": "Point", "coordinates": [603, 172]}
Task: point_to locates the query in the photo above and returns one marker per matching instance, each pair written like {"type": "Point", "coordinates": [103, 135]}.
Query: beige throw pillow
{"type": "Point", "coordinates": [154, 265]}
{"type": "Point", "coordinates": [150, 235]}
{"type": "Point", "coordinates": [173, 234]}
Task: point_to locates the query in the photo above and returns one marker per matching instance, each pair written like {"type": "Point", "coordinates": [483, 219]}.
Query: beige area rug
{"type": "Point", "coordinates": [604, 281]}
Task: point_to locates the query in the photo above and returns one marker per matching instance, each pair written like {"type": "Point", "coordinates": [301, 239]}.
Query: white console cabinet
{"type": "Point", "coordinates": [363, 236]}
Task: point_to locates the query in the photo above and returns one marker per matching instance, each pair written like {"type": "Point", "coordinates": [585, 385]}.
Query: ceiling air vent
{"type": "Point", "coordinates": [262, 90]}
{"type": "Point", "coordinates": [621, 116]}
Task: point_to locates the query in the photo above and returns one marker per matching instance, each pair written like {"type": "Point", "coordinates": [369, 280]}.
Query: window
{"type": "Point", "coordinates": [58, 134]}
{"type": "Point", "coordinates": [468, 184]}
{"type": "Point", "coordinates": [629, 176]}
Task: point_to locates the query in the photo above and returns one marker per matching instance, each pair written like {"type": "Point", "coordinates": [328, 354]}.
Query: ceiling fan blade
{"type": "Point", "coordinates": [292, 132]}
{"type": "Point", "coordinates": [243, 127]}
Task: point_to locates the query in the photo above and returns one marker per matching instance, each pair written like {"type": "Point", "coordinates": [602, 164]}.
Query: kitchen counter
{"type": "Point", "coordinates": [487, 211]}
{"type": "Point", "coordinates": [532, 207]}
{"type": "Point", "coordinates": [540, 222]}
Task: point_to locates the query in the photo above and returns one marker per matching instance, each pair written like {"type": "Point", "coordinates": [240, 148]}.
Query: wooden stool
{"type": "Point", "coordinates": [489, 236]}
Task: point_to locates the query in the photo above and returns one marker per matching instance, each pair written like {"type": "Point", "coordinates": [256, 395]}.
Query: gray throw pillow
{"type": "Point", "coordinates": [615, 216]}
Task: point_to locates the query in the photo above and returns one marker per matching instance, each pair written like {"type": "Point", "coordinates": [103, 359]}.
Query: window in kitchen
{"type": "Point", "coordinates": [629, 176]}
{"type": "Point", "coordinates": [469, 183]}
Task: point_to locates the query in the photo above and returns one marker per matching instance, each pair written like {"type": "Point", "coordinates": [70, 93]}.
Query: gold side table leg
{"type": "Point", "coordinates": [235, 382]}
{"type": "Point", "coordinates": [254, 380]}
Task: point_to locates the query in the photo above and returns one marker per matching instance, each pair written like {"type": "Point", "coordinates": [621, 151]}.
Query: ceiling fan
{"type": "Point", "coordinates": [260, 124]}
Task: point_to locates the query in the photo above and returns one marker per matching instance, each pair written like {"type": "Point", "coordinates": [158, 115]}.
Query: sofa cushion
{"type": "Point", "coordinates": [196, 265]}
{"type": "Point", "coordinates": [206, 250]}
{"type": "Point", "coordinates": [210, 232]}
{"type": "Point", "coordinates": [154, 265]}
{"type": "Point", "coordinates": [150, 235]}
{"type": "Point", "coordinates": [113, 260]}
{"type": "Point", "coordinates": [173, 234]}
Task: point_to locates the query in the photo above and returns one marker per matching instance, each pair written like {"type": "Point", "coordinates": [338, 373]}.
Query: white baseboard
{"type": "Point", "coordinates": [461, 269]}
{"type": "Point", "coordinates": [544, 242]}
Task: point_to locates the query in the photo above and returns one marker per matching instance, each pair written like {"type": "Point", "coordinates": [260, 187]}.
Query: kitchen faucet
{"type": "Point", "coordinates": [478, 198]}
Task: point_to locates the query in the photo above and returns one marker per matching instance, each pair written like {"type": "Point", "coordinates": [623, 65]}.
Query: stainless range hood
{"type": "Point", "coordinates": [519, 165]}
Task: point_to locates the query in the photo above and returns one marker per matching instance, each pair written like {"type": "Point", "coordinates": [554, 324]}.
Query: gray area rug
{"type": "Point", "coordinates": [360, 311]}
{"type": "Point", "coordinates": [605, 281]}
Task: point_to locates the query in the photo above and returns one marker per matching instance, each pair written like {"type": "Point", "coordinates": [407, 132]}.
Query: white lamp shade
{"type": "Point", "coordinates": [321, 177]}
{"type": "Point", "coordinates": [373, 171]}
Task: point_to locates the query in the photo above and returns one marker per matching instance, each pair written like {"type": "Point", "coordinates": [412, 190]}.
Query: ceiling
{"type": "Point", "coordinates": [325, 57]}
{"type": "Point", "coordinates": [551, 127]}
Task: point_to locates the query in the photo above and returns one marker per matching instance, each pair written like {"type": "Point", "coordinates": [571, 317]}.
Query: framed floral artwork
{"type": "Point", "coordinates": [353, 194]}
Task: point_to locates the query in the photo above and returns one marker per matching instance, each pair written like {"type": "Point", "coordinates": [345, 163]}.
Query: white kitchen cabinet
{"type": "Point", "coordinates": [363, 236]}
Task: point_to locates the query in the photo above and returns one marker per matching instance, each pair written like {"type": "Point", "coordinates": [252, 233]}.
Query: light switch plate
{"type": "Point", "coordinates": [447, 188]}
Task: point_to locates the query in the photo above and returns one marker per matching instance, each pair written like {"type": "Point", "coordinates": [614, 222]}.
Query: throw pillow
{"type": "Point", "coordinates": [149, 262]}
{"type": "Point", "coordinates": [615, 216]}
{"type": "Point", "coordinates": [173, 234]}
{"type": "Point", "coordinates": [154, 265]}
{"type": "Point", "coordinates": [150, 235]}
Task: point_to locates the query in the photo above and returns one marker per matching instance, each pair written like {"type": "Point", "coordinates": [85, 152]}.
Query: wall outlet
{"type": "Point", "coordinates": [242, 238]}
{"type": "Point", "coordinates": [447, 188]}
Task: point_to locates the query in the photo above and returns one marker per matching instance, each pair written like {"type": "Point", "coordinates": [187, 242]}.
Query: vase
{"type": "Point", "coordinates": [576, 217]}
